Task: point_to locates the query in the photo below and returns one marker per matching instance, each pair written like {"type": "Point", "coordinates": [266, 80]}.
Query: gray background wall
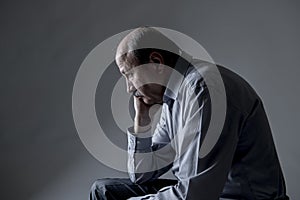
{"type": "Point", "coordinates": [44, 42]}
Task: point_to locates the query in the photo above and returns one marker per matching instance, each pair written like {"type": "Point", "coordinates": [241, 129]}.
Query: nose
{"type": "Point", "coordinates": [129, 86]}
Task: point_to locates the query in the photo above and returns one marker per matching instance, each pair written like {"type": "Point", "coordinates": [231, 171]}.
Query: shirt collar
{"type": "Point", "coordinates": [177, 76]}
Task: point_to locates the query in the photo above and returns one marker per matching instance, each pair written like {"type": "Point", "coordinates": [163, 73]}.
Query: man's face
{"type": "Point", "coordinates": [144, 81]}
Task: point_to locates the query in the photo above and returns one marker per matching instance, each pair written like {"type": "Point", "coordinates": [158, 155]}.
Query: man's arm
{"type": "Point", "coordinates": [148, 159]}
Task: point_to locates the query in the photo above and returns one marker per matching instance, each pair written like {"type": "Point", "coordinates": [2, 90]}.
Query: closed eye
{"type": "Point", "coordinates": [125, 72]}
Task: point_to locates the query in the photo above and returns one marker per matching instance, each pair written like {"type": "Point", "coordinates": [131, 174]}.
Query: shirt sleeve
{"type": "Point", "coordinates": [206, 176]}
{"type": "Point", "coordinates": [149, 158]}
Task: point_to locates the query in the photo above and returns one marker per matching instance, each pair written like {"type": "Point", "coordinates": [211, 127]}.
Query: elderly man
{"type": "Point", "coordinates": [241, 161]}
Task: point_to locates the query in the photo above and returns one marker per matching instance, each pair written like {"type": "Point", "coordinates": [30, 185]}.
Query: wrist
{"type": "Point", "coordinates": [142, 120]}
{"type": "Point", "coordinates": [141, 129]}
{"type": "Point", "coordinates": [142, 123]}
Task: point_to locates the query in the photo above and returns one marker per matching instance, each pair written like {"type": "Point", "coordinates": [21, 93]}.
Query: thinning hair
{"type": "Point", "coordinates": [141, 42]}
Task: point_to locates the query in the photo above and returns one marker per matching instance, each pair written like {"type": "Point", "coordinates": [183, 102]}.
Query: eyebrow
{"type": "Point", "coordinates": [123, 71]}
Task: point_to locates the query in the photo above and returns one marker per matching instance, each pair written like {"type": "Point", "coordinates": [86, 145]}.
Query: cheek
{"type": "Point", "coordinates": [138, 81]}
{"type": "Point", "coordinates": [142, 79]}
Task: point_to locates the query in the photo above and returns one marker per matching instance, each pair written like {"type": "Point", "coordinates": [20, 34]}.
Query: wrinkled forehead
{"type": "Point", "coordinates": [120, 59]}
{"type": "Point", "coordinates": [123, 48]}
{"type": "Point", "coordinates": [126, 58]}
{"type": "Point", "coordinates": [121, 54]}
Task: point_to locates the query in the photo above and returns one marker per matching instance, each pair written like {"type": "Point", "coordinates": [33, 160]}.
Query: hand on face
{"type": "Point", "coordinates": [149, 94]}
{"type": "Point", "coordinates": [144, 113]}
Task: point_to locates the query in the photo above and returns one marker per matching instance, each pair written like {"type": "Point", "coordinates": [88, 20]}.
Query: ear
{"type": "Point", "coordinates": [157, 58]}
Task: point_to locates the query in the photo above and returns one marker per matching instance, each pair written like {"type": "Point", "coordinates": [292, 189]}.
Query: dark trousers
{"type": "Point", "coordinates": [118, 189]}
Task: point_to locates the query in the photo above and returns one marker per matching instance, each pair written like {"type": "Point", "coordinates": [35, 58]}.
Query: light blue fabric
{"type": "Point", "coordinates": [242, 165]}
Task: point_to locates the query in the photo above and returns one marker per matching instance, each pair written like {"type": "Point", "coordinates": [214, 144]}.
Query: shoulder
{"type": "Point", "coordinates": [201, 75]}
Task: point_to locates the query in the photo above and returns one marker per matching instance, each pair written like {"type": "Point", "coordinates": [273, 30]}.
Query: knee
{"type": "Point", "coordinates": [100, 183]}
{"type": "Point", "coordinates": [99, 189]}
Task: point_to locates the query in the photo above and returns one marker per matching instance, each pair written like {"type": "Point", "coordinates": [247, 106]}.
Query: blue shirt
{"type": "Point", "coordinates": [239, 160]}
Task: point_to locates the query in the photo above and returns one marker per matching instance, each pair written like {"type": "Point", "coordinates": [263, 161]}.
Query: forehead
{"type": "Point", "coordinates": [126, 62]}
{"type": "Point", "coordinates": [123, 66]}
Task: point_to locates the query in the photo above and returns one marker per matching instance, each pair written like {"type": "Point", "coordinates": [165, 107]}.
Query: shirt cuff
{"type": "Point", "coordinates": [139, 141]}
